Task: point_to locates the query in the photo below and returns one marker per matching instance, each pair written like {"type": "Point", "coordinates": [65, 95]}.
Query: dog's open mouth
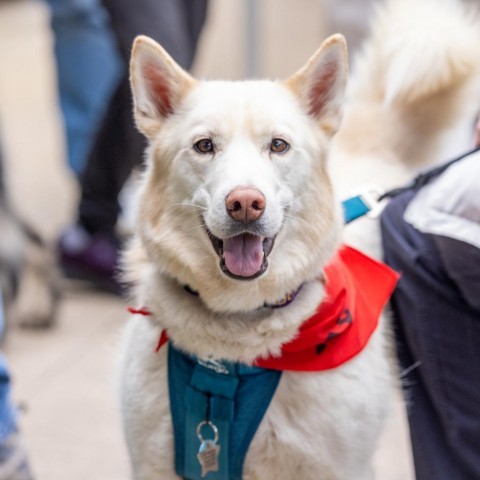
{"type": "Point", "coordinates": [243, 257]}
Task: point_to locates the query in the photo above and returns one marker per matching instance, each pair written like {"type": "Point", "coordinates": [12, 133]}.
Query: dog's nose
{"type": "Point", "coordinates": [245, 204]}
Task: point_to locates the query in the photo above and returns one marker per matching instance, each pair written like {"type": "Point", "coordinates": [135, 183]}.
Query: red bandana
{"type": "Point", "coordinates": [357, 289]}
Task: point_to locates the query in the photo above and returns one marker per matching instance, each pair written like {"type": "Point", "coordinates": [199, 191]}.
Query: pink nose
{"type": "Point", "coordinates": [245, 204]}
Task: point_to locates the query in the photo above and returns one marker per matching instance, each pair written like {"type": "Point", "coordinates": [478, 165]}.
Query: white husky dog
{"type": "Point", "coordinates": [237, 205]}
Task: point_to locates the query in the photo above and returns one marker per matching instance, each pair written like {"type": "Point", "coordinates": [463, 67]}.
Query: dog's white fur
{"type": "Point", "coordinates": [319, 425]}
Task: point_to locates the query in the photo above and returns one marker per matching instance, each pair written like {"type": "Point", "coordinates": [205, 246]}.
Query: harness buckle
{"type": "Point", "coordinates": [371, 196]}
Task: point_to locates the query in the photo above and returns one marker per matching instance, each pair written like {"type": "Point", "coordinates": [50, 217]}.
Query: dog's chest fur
{"type": "Point", "coordinates": [314, 428]}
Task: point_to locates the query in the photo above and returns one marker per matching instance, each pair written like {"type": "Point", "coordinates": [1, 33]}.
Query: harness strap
{"type": "Point", "coordinates": [359, 205]}
{"type": "Point", "coordinates": [234, 397]}
{"type": "Point", "coordinates": [355, 207]}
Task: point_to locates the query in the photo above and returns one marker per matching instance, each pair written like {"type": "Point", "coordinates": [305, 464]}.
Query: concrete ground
{"type": "Point", "coordinates": [64, 378]}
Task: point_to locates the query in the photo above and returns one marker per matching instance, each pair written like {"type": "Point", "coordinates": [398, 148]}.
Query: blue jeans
{"type": "Point", "coordinates": [8, 421]}
{"type": "Point", "coordinates": [89, 69]}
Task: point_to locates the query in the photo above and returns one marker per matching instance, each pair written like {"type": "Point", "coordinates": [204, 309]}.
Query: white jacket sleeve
{"type": "Point", "coordinates": [450, 205]}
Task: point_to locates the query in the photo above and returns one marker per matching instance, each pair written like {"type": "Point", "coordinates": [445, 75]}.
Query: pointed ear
{"type": "Point", "coordinates": [158, 85]}
{"type": "Point", "coordinates": [320, 83]}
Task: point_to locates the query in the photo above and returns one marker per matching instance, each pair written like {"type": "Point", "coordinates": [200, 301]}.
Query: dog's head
{"type": "Point", "coordinates": [236, 200]}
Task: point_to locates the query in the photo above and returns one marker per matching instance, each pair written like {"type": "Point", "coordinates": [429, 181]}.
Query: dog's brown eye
{"type": "Point", "coordinates": [205, 145]}
{"type": "Point", "coordinates": [279, 146]}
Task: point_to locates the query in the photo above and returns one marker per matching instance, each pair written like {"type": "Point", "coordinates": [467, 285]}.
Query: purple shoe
{"type": "Point", "coordinates": [91, 258]}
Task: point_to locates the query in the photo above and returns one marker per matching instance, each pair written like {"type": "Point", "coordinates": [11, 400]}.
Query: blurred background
{"type": "Point", "coordinates": [64, 376]}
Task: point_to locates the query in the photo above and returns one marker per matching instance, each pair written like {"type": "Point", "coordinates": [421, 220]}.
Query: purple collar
{"type": "Point", "coordinates": [283, 302]}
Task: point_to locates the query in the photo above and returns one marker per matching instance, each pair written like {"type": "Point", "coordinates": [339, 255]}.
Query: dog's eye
{"type": "Point", "coordinates": [205, 145]}
{"type": "Point", "coordinates": [279, 146]}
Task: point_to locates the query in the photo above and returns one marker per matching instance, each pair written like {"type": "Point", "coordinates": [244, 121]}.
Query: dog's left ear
{"type": "Point", "coordinates": [320, 83]}
{"type": "Point", "coordinates": [158, 85]}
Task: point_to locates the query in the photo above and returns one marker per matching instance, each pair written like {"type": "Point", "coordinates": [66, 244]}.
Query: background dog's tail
{"type": "Point", "coordinates": [422, 61]}
{"type": "Point", "coordinates": [419, 49]}
{"type": "Point", "coordinates": [412, 100]}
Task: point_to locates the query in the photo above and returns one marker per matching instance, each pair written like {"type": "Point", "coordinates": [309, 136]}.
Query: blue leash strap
{"type": "Point", "coordinates": [367, 202]}
{"type": "Point", "coordinates": [370, 201]}
{"type": "Point", "coordinates": [354, 207]}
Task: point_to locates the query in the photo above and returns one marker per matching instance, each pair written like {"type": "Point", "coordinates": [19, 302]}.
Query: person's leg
{"type": "Point", "coordinates": [119, 146]}
{"type": "Point", "coordinates": [175, 24]}
{"type": "Point", "coordinates": [196, 14]}
{"type": "Point", "coordinates": [89, 68]}
{"type": "Point", "coordinates": [88, 250]}
{"type": "Point", "coordinates": [2, 179]}
{"type": "Point", "coordinates": [13, 458]}
{"type": "Point", "coordinates": [437, 334]}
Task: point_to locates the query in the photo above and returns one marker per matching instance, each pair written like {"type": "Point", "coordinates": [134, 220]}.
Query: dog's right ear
{"type": "Point", "coordinates": [158, 85]}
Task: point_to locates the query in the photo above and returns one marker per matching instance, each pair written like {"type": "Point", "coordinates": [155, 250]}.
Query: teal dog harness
{"type": "Point", "coordinates": [216, 409]}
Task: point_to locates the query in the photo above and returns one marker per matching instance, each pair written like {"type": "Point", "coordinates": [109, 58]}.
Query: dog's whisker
{"type": "Point", "coordinates": [296, 199]}
{"type": "Point", "coordinates": [199, 207]}
{"type": "Point", "coordinates": [293, 217]}
{"type": "Point", "coordinates": [198, 210]}
{"type": "Point", "coordinates": [200, 226]}
{"type": "Point", "coordinates": [198, 214]}
{"type": "Point", "coordinates": [407, 370]}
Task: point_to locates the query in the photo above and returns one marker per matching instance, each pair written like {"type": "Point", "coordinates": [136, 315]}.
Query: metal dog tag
{"type": "Point", "coordinates": [208, 456]}
{"type": "Point", "coordinates": [209, 450]}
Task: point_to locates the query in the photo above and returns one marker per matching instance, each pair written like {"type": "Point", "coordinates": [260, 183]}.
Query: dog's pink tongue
{"type": "Point", "coordinates": [243, 254]}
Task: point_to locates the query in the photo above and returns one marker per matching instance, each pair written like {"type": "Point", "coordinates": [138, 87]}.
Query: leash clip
{"type": "Point", "coordinates": [367, 202]}
{"type": "Point", "coordinates": [371, 196]}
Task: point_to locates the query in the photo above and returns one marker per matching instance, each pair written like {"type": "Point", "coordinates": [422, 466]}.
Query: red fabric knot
{"type": "Point", "coordinates": [162, 340]}
{"type": "Point", "coordinates": [140, 311]}
{"type": "Point", "coordinates": [146, 313]}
